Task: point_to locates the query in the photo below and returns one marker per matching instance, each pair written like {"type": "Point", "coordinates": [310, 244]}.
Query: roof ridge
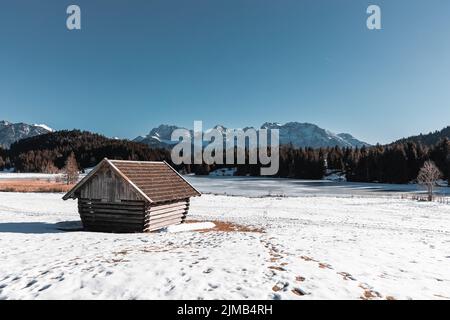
{"type": "Point", "coordinates": [135, 161]}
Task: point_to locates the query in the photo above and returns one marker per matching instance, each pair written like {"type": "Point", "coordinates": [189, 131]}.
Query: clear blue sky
{"type": "Point", "coordinates": [136, 64]}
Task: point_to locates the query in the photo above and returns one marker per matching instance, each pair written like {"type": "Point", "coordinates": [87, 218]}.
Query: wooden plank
{"type": "Point", "coordinates": [163, 218]}
{"type": "Point", "coordinates": [157, 213]}
{"type": "Point", "coordinates": [109, 185]}
{"type": "Point", "coordinates": [111, 210]}
{"type": "Point", "coordinates": [106, 223]}
{"type": "Point", "coordinates": [167, 222]}
{"type": "Point", "coordinates": [157, 210]}
{"type": "Point", "coordinates": [112, 229]}
{"type": "Point", "coordinates": [113, 224]}
{"type": "Point", "coordinates": [112, 217]}
{"type": "Point", "coordinates": [117, 204]}
{"type": "Point", "coordinates": [170, 205]}
{"type": "Point", "coordinates": [104, 205]}
{"type": "Point", "coordinates": [121, 224]}
{"type": "Point", "coordinates": [100, 204]}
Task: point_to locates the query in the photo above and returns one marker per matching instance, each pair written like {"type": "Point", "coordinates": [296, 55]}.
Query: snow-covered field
{"type": "Point", "coordinates": [321, 247]}
{"type": "Point", "coordinates": [38, 176]}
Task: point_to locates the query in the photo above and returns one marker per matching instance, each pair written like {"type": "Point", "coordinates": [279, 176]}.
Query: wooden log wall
{"type": "Point", "coordinates": [123, 216]}
{"type": "Point", "coordinates": [164, 214]}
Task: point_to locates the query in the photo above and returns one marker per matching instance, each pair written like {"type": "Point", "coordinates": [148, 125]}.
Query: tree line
{"type": "Point", "coordinates": [396, 163]}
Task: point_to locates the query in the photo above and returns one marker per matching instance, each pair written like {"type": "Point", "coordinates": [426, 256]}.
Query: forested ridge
{"type": "Point", "coordinates": [50, 151]}
{"type": "Point", "coordinates": [398, 162]}
{"type": "Point", "coordinates": [429, 139]}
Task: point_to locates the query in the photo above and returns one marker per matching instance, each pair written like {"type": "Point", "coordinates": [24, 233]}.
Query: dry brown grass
{"type": "Point", "coordinates": [224, 226]}
{"type": "Point", "coordinates": [33, 185]}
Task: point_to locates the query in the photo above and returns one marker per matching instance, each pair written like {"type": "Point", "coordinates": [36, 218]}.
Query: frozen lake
{"type": "Point", "coordinates": [256, 187]}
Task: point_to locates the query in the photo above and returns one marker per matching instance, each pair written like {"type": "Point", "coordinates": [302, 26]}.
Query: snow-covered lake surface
{"type": "Point", "coordinates": [261, 187]}
{"type": "Point", "coordinates": [322, 247]}
{"type": "Point", "coordinates": [257, 187]}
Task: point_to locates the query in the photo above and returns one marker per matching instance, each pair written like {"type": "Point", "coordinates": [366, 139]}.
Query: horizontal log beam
{"type": "Point", "coordinates": [168, 205]}
{"type": "Point", "coordinates": [165, 218]}
{"type": "Point", "coordinates": [162, 224]}
{"type": "Point", "coordinates": [166, 211]}
{"type": "Point", "coordinates": [112, 211]}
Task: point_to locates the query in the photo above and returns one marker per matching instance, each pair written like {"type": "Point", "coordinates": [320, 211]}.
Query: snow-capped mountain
{"type": "Point", "coordinates": [159, 137]}
{"type": "Point", "coordinates": [12, 132]}
{"type": "Point", "coordinates": [292, 133]}
{"type": "Point", "coordinates": [311, 135]}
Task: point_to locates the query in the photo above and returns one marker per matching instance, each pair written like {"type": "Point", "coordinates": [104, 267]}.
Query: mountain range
{"type": "Point", "coordinates": [292, 133]}
{"type": "Point", "coordinates": [12, 132]}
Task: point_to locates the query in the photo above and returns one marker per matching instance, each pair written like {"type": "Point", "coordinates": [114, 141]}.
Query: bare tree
{"type": "Point", "coordinates": [429, 174]}
{"type": "Point", "coordinates": [71, 169]}
{"type": "Point", "coordinates": [49, 167]}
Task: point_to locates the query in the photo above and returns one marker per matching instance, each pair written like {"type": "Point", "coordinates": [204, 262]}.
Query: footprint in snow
{"type": "Point", "coordinates": [213, 286]}
{"type": "Point", "coordinates": [209, 270]}
{"type": "Point", "coordinates": [346, 276]}
{"type": "Point", "coordinates": [325, 266]}
{"type": "Point", "coordinates": [276, 296]}
{"type": "Point", "coordinates": [298, 292]}
{"type": "Point", "coordinates": [29, 284]}
{"type": "Point", "coordinates": [45, 287]}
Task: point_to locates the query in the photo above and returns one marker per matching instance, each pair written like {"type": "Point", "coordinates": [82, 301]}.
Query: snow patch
{"type": "Point", "coordinates": [189, 227]}
{"type": "Point", "coordinates": [44, 126]}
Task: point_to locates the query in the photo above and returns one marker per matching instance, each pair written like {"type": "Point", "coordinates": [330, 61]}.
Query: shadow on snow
{"type": "Point", "coordinates": [40, 227]}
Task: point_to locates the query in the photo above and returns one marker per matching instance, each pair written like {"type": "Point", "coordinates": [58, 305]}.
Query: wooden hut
{"type": "Point", "coordinates": [132, 196]}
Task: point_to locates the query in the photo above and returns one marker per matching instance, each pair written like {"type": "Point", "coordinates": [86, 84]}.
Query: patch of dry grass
{"type": "Point", "coordinates": [33, 185]}
{"type": "Point", "coordinates": [225, 226]}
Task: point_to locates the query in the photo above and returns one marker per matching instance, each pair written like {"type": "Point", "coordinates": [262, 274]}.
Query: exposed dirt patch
{"type": "Point", "coordinates": [274, 259]}
{"type": "Point", "coordinates": [224, 226]}
{"type": "Point", "coordinates": [276, 288]}
{"type": "Point", "coordinates": [368, 293]}
{"type": "Point", "coordinates": [300, 279]}
{"type": "Point", "coordinates": [33, 185]}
